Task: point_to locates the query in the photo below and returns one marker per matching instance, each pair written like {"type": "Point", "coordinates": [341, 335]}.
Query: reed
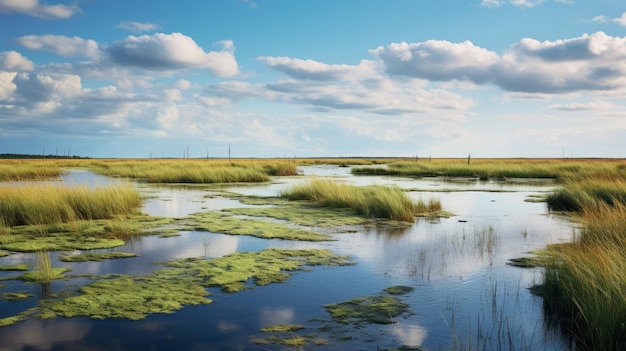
{"type": "Point", "coordinates": [368, 201]}
{"type": "Point", "coordinates": [40, 204]}
{"type": "Point", "coordinates": [18, 170]}
{"type": "Point", "coordinates": [195, 171]}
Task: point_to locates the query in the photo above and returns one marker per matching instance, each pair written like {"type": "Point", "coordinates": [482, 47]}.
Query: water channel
{"type": "Point", "coordinates": [466, 296]}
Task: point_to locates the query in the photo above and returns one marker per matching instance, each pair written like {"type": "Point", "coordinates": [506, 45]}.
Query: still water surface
{"type": "Point", "coordinates": [465, 297]}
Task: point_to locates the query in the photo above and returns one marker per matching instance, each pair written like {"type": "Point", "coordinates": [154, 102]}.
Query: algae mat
{"type": "Point", "coordinates": [182, 282]}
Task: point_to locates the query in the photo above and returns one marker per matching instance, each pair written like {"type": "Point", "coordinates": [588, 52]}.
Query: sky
{"type": "Point", "coordinates": [322, 78]}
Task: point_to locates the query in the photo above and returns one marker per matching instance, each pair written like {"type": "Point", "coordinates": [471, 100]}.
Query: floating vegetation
{"type": "Point", "coordinates": [302, 213]}
{"type": "Point", "coordinates": [399, 290]}
{"type": "Point", "coordinates": [17, 296]}
{"type": "Point", "coordinates": [97, 256]}
{"type": "Point", "coordinates": [281, 328]}
{"type": "Point", "coordinates": [222, 223]}
{"type": "Point", "coordinates": [182, 282]}
{"type": "Point", "coordinates": [367, 310]}
{"type": "Point", "coordinates": [42, 277]}
{"type": "Point", "coordinates": [14, 267]}
{"type": "Point", "coordinates": [4, 253]}
{"type": "Point", "coordinates": [527, 262]}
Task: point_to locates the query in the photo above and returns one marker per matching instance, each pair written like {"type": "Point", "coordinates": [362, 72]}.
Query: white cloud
{"type": "Point", "coordinates": [491, 3]}
{"type": "Point", "coordinates": [595, 62]}
{"type": "Point", "coordinates": [526, 3]}
{"type": "Point", "coordinates": [437, 60]}
{"type": "Point", "coordinates": [314, 70]}
{"type": "Point", "coordinates": [577, 106]}
{"type": "Point", "coordinates": [138, 26]}
{"type": "Point", "coordinates": [621, 20]}
{"type": "Point", "coordinates": [182, 84]}
{"type": "Point", "coordinates": [62, 45]}
{"type": "Point", "coordinates": [7, 87]}
{"type": "Point", "coordinates": [173, 51]}
{"type": "Point", "coordinates": [35, 9]}
{"type": "Point", "coordinates": [599, 19]}
{"type": "Point", "coordinates": [36, 87]}
{"type": "Point", "coordinates": [14, 61]}
{"type": "Point", "coordinates": [168, 117]}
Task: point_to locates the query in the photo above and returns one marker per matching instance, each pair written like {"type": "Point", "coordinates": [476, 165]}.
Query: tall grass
{"type": "Point", "coordinates": [195, 171]}
{"type": "Point", "coordinates": [37, 204]}
{"type": "Point", "coordinates": [17, 170]}
{"type": "Point", "coordinates": [501, 168]}
{"type": "Point", "coordinates": [585, 282]}
{"type": "Point", "coordinates": [369, 201]}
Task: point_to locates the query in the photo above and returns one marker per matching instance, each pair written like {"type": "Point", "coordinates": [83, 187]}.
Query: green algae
{"type": "Point", "coordinates": [180, 283]}
{"type": "Point", "coordinates": [220, 222]}
{"type": "Point", "coordinates": [14, 268]}
{"type": "Point", "coordinates": [367, 310]}
{"type": "Point", "coordinates": [398, 290]}
{"type": "Point", "coordinates": [4, 253]}
{"type": "Point", "coordinates": [284, 334]}
{"type": "Point", "coordinates": [17, 296]}
{"type": "Point", "coordinates": [97, 256]}
{"type": "Point", "coordinates": [305, 215]}
{"type": "Point", "coordinates": [38, 276]}
{"type": "Point", "coordinates": [81, 235]}
{"type": "Point", "coordinates": [127, 297]}
{"type": "Point", "coordinates": [281, 328]}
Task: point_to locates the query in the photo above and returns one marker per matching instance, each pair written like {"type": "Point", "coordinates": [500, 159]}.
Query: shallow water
{"type": "Point", "coordinates": [465, 297]}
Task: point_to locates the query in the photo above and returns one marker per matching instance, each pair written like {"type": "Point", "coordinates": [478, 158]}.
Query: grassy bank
{"type": "Point", "coordinates": [369, 201]}
{"type": "Point", "coordinates": [585, 282]}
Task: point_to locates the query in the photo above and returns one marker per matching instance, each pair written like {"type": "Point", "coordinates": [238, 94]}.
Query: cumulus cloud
{"type": "Point", "coordinates": [168, 117]}
{"type": "Point", "coordinates": [36, 87]}
{"type": "Point", "coordinates": [35, 9]}
{"type": "Point", "coordinates": [138, 26]}
{"type": "Point", "coordinates": [62, 45]}
{"type": "Point", "coordinates": [437, 60]}
{"type": "Point", "coordinates": [589, 62]}
{"type": "Point", "coordinates": [173, 51]}
{"type": "Point", "coordinates": [14, 61]}
{"type": "Point", "coordinates": [315, 70]}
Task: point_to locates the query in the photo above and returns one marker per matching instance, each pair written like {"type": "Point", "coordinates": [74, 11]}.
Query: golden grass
{"type": "Point", "coordinates": [17, 170]}
{"type": "Point", "coordinates": [368, 201]}
{"type": "Point", "coordinates": [35, 204]}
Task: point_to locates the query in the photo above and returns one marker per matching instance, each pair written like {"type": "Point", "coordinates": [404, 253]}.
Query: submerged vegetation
{"type": "Point", "coordinates": [368, 201]}
{"type": "Point", "coordinates": [370, 309]}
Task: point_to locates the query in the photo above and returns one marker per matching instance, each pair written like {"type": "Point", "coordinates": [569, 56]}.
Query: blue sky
{"type": "Point", "coordinates": [323, 78]}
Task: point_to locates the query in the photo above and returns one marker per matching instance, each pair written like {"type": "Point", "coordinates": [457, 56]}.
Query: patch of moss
{"type": "Point", "coordinates": [17, 296]}
{"type": "Point", "coordinates": [369, 309]}
{"type": "Point", "coordinates": [14, 268]}
{"type": "Point", "coordinates": [97, 256]}
{"type": "Point", "coordinates": [222, 223]}
{"type": "Point", "coordinates": [38, 276]}
{"type": "Point", "coordinates": [4, 322]}
{"type": "Point", "coordinates": [81, 235]}
{"type": "Point", "coordinates": [126, 297]}
{"type": "Point", "coordinates": [304, 214]}
{"type": "Point", "coordinates": [182, 282]}
{"type": "Point", "coordinates": [281, 328]}
{"type": "Point", "coordinates": [399, 290]}
{"type": "Point", "coordinates": [4, 253]}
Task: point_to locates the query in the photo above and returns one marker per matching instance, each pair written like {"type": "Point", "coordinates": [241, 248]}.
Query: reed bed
{"type": "Point", "coordinates": [501, 168]}
{"type": "Point", "coordinates": [18, 170]}
{"type": "Point", "coordinates": [368, 201]}
{"type": "Point", "coordinates": [195, 171]}
{"type": "Point", "coordinates": [37, 204]}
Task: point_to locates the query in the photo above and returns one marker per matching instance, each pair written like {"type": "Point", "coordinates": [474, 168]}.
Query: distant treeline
{"type": "Point", "coordinates": [25, 156]}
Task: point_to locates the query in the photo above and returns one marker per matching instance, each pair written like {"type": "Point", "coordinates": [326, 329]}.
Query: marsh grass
{"type": "Point", "coordinates": [195, 171]}
{"type": "Point", "coordinates": [368, 201]}
{"type": "Point", "coordinates": [39, 204]}
{"type": "Point", "coordinates": [501, 168]}
{"type": "Point", "coordinates": [18, 170]}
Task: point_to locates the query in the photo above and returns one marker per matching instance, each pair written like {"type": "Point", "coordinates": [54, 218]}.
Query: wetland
{"type": "Point", "coordinates": [250, 266]}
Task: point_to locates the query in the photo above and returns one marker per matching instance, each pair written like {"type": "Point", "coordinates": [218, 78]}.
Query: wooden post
{"type": "Point", "coordinates": [468, 158]}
